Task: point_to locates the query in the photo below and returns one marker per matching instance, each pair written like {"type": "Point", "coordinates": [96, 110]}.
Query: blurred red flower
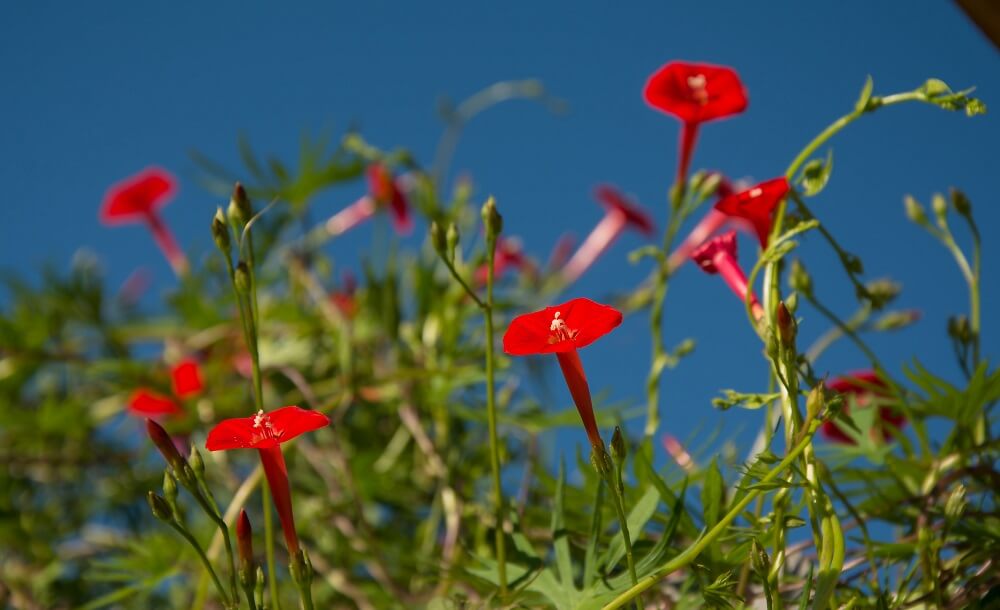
{"type": "Point", "coordinates": [755, 205]}
{"type": "Point", "coordinates": [186, 379]}
{"type": "Point", "coordinates": [864, 387]}
{"type": "Point", "coordinates": [147, 403]}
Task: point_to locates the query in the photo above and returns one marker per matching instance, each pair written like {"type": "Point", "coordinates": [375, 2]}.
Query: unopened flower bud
{"type": "Point", "coordinates": [959, 329]}
{"type": "Point", "coordinates": [242, 278]}
{"type": "Point", "coordinates": [166, 446]}
{"type": "Point", "coordinates": [914, 211]}
{"type": "Point", "coordinates": [815, 400]}
{"type": "Point", "coordinates": [197, 464]}
{"type": "Point", "coordinates": [940, 206]}
{"type": "Point", "coordinates": [240, 211]}
{"type": "Point", "coordinates": [787, 327]}
{"type": "Point", "coordinates": [894, 320]}
{"type": "Point", "coordinates": [452, 240]}
{"type": "Point", "coordinates": [961, 203]}
{"type": "Point", "coordinates": [882, 292]}
{"type": "Point", "coordinates": [619, 450]}
{"type": "Point", "coordinates": [792, 303]}
{"type": "Point", "coordinates": [258, 590]}
{"type": "Point", "coordinates": [244, 541]}
{"type": "Point", "coordinates": [160, 507]}
{"type": "Point", "coordinates": [301, 569]}
{"type": "Point", "coordinates": [439, 240]}
{"type": "Point", "coordinates": [771, 345]}
{"type": "Point", "coordinates": [759, 559]}
{"type": "Point", "coordinates": [169, 488]}
{"type": "Point", "coordinates": [800, 279]}
{"type": "Point", "coordinates": [492, 219]}
{"type": "Point", "coordinates": [220, 233]}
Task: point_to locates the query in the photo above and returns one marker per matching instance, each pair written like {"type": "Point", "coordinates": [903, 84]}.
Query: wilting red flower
{"type": "Point", "coordinates": [186, 379]}
{"type": "Point", "coordinates": [265, 432]}
{"type": "Point", "coordinates": [561, 330]}
{"type": "Point", "coordinates": [508, 255]}
{"type": "Point", "coordinates": [620, 214]}
{"type": "Point", "coordinates": [755, 205]}
{"type": "Point", "coordinates": [147, 403]}
{"type": "Point", "coordinates": [864, 387]}
{"type": "Point", "coordinates": [695, 94]}
{"type": "Point", "coordinates": [384, 191]}
{"type": "Point", "coordinates": [138, 199]}
{"type": "Point", "coordinates": [718, 256]}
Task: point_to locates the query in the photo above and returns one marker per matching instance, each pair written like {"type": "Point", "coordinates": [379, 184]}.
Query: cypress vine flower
{"type": "Point", "coordinates": [384, 191]}
{"type": "Point", "coordinates": [562, 330]}
{"type": "Point", "coordinates": [138, 198]}
{"type": "Point", "coordinates": [185, 377]}
{"type": "Point", "coordinates": [718, 256]}
{"type": "Point", "coordinates": [756, 205]}
{"type": "Point", "coordinates": [265, 432]}
{"type": "Point", "coordinates": [864, 389]}
{"type": "Point", "coordinates": [694, 94]}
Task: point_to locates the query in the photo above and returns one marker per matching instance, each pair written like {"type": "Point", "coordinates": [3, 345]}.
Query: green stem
{"type": "Point", "coordinates": [272, 573]}
{"type": "Point", "coordinates": [491, 413]}
{"type": "Point", "coordinates": [692, 552]}
{"type": "Point", "coordinates": [204, 559]}
{"type": "Point", "coordinates": [617, 491]}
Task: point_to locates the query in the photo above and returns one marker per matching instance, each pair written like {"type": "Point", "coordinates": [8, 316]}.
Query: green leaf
{"type": "Point", "coordinates": [713, 492]}
{"type": "Point", "coordinates": [752, 401]}
{"type": "Point", "coordinates": [866, 95]}
{"type": "Point", "coordinates": [560, 537]}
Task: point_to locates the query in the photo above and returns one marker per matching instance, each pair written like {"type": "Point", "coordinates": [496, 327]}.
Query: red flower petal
{"type": "Point", "coordinates": [137, 195]}
{"type": "Point", "coordinates": [863, 385]}
{"type": "Point", "coordinates": [385, 190]}
{"type": "Point", "coordinates": [756, 205]}
{"type": "Point", "coordinates": [695, 93]}
{"type": "Point", "coordinates": [705, 255]}
{"type": "Point", "coordinates": [264, 430]}
{"type": "Point", "coordinates": [612, 199]}
{"type": "Point", "coordinates": [508, 254]}
{"type": "Point", "coordinates": [186, 379]}
{"type": "Point", "coordinates": [145, 402]}
{"type": "Point", "coordinates": [561, 328]}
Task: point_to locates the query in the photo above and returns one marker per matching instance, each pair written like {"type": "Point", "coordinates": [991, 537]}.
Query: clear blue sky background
{"type": "Point", "coordinates": [93, 92]}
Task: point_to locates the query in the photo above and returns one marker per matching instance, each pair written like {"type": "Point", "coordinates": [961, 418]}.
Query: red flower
{"type": "Point", "coordinates": [718, 256]}
{"type": "Point", "coordinates": [620, 214]}
{"type": "Point", "coordinates": [383, 191]}
{"type": "Point", "coordinates": [186, 379]}
{"type": "Point", "coordinates": [138, 199]}
{"type": "Point", "coordinates": [147, 403]}
{"type": "Point", "coordinates": [265, 432]}
{"type": "Point", "coordinates": [562, 330]}
{"type": "Point", "coordinates": [344, 299]}
{"type": "Point", "coordinates": [756, 205]}
{"type": "Point", "coordinates": [863, 387]}
{"type": "Point", "coordinates": [508, 255]}
{"type": "Point", "coordinates": [695, 94]}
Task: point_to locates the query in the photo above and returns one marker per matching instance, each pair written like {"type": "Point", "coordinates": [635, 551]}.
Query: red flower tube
{"type": "Point", "coordinates": [755, 205]}
{"type": "Point", "coordinates": [265, 432]}
{"type": "Point", "coordinates": [694, 94]}
{"type": "Point", "coordinates": [562, 330]}
{"type": "Point", "coordinates": [138, 199]}
{"type": "Point", "coordinates": [620, 214]}
{"type": "Point", "coordinates": [719, 256]}
{"type": "Point", "coordinates": [383, 191]}
{"type": "Point", "coordinates": [864, 387]}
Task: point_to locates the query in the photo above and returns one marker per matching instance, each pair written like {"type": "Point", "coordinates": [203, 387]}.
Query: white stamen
{"type": "Point", "coordinates": [559, 330]}
{"type": "Point", "coordinates": [756, 192]}
{"type": "Point", "coordinates": [697, 84]}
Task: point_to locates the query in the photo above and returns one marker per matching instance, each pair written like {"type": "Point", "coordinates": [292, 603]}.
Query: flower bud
{"type": "Point", "coordinates": [161, 509]}
{"type": "Point", "coordinates": [244, 541]}
{"type": "Point", "coordinates": [169, 488]}
{"type": "Point", "coordinates": [959, 329]}
{"type": "Point", "coordinates": [492, 219]}
{"type": "Point", "coordinates": [197, 464]}
{"type": "Point", "coordinates": [258, 590]}
{"type": "Point", "coordinates": [882, 292]}
{"type": "Point", "coordinates": [787, 327]}
{"type": "Point", "coordinates": [914, 211]}
{"type": "Point", "coordinates": [815, 400]}
{"type": "Point", "coordinates": [961, 203]}
{"type": "Point", "coordinates": [799, 279]}
{"type": "Point", "coordinates": [759, 559]}
{"type": "Point", "coordinates": [792, 303]}
{"type": "Point", "coordinates": [439, 240]}
{"type": "Point", "coordinates": [601, 461]}
{"type": "Point", "coordinates": [220, 232]}
{"type": "Point", "coordinates": [240, 210]}
{"type": "Point", "coordinates": [940, 206]}
{"type": "Point", "coordinates": [452, 240]}
{"type": "Point", "coordinates": [242, 278]}
{"type": "Point", "coordinates": [894, 320]}
{"type": "Point", "coordinates": [618, 448]}
{"type": "Point", "coordinates": [166, 446]}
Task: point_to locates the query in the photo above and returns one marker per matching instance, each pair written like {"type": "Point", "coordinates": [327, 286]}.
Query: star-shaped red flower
{"type": "Point", "coordinates": [864, 387]}
{"type": "Point", "coordinates": [186, 379]}
{"type": "Point", "coordinates": [756, 205]}
{"type": "Point", "coordinates": [147, 403]}
{"type": "Point", "coordinates": [560, 328]}
{"type": "Point", "coordinates": [264, 430]}
{"type": "Point", "coordinates": [385, 190]}
{"type": "Point", "coordinates": [696, 93]}
{"type": "Point", "coordinates": [133, 198]}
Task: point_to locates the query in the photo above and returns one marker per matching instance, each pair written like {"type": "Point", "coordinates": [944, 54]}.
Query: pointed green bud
{"type": "Point", "coordinates": [601, 461]}
{"type": "Point", "coordinates": [197, 464]}
{"type": "Point", "coordinates": [242, 278]}
{"type": "Point", "coordinates": [619, 450]}
{"type": "Point", "coordinates": [452, 240]}
{"type": "Point", "coordinates": [940, 206]}
{"type": "Point", "coordinates": [934, 86]}
{"type": "Point", "coordinates": [961, 203]}
{"type": "Point", "coordinates": [160, 507]}
{"type": "Point", "coordinates": [169, 488]}
{"type": "Point", "coordinates": [220, 233]}
{"type": "Point", "coordinates": [882, 292]}
{"type": "Point", "coordinates": [259, 586]}
{"type": "Point", "coordinates": [894, 320]}
{"type": "Point", "coordinates": [759, 559]}
{"type": "Point", "coordinates": [492, 219]}
{"type": "Point", "coordinates": [915, 211]}
{"type": "Point", "coordinates": [792, 302]}
{"type": "Point", "coordinates": [799, 279]}
{"type": "Point", "coordinates": [771, 345]}
{"type": "Point", "coordinates": [439, 240]}
{"type": "Point", "coordinates": [815, 400]}
{"type": "Point", "coordinates": [240, 209]}
{"type": "Point", "coordinates": [959, 329]}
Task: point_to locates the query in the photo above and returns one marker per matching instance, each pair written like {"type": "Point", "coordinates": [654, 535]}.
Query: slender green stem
{"type": "Point", "coordinates": [305, 596]}
{"type": "Point", "coordinates": [204, 560]}
{"type": "Point", "coordinates": [465, 286]}
{"type": "Point", "coordinates": [491, 413]}
{"type": "Point", "coordinates": [692, 552]}
{"type": "Point", "coordinates": [248, 593]}
{"type": "Point", "coordinates": [204, 497]}
{"type": "Point", "coordinates": [617, 492]}
{"type": "Point", "coordinates": [272, 572]}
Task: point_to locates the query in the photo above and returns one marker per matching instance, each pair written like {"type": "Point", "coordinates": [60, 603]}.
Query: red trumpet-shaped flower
{"type": "Point", "coordinates": [695, 94]}
{"type": "Point", "coordinates": [756, 205]}
{"type": "Point", "coordinates": [185, 378]}
{"type": "Point", "coordinates": [718, 255]}
{"type": "Point", "coordinates": [265, 432]}
{"type": "Point", "coordinates": [509, 254]}
{"type": "Point", "coordinates": [620, 214]}
{"type": "Point", "coordinates": [562, 330]}
{"type": "Point", "coordinates": [384, 191]}
{"type": "Point", "coordinates": [147, 403]}
{"type": "Point", "coordinates": [706, 227]}
{"type": "Point", "coordinates": [138, 199]}
{"type": "Point", "coordinates": [862, 388]}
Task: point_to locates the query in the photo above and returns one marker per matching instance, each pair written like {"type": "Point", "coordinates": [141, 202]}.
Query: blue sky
{"type": "Point", "coordinates": [96, 91]}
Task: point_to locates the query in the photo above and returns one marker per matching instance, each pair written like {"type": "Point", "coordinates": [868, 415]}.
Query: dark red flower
{"type": "Point", "coordinates": [756, 205]}
{"type": "Point", "coordinates": [244, 540]}
{"type": "Point", "coordinates": [620, 214]}
{"type": "Point", "coordinates": [863, 387]}
{"type": "Point", "coordinates": [386, 191]}
{"type": "Point", "coordinates": [561, 330]}
{"type": "Point", "coordinates": [508, 255]}
{"type": "Point", "coordinates": [147, 403]}
{"type": "Point", "coordinates": [265, 432]}
{"type": "Point", "coordinates": [138, 199]}
{"type": "Point", "coordinates": [718, 256]}
{"type": "Point", "coordinates": [695, 94]}
{"type": "Point", "coordinates": [166, 446]}
{"type": "Point", "coordinates": [345, 298]}
{"type": "Point", "coordinates": [186, 379]}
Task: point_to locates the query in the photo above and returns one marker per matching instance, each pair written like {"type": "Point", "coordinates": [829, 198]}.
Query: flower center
{"type": "Point", "coordinates": [560, 331]}
{"type": "Point", "coordinates": [262, 424]}
{"type": "Point", "coordinates": [698, 86]}
{"type": "Point", "coordinates": [756, 192]}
